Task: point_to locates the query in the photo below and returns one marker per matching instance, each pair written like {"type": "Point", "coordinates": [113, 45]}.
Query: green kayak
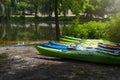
{"type": "Point", "coordinates": [73, 39]}
{"type": "Point", "coordinates": [69, 40]}
{"type": "Point", "coordinates": [83, 55]}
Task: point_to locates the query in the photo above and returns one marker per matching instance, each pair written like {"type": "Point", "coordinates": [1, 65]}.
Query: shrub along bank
{"type": "Point", "coordinates": [109, 30]}
{"type": "Point", "coordinates": [114, 28]}
{"type": "Point", "coordinates": [90, 30]}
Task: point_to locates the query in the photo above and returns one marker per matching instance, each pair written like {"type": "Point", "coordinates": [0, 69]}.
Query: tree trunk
{"type": "Point", "coordinates": [36, 10]}
{"type": "Point", "coordinates": [57, 21]}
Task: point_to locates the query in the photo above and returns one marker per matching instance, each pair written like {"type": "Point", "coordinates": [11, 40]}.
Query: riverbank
{"type": "Point", "coordinates": [25, 63]}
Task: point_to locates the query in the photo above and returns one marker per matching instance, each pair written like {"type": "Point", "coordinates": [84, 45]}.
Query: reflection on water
{"type": "Point", "coordinates": [27, 31]}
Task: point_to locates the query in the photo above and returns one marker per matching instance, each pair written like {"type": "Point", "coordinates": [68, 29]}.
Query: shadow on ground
{"type": "Point", "coordinates": [25, 64]}
{"type": "Point", "coordinates": [63, 70]}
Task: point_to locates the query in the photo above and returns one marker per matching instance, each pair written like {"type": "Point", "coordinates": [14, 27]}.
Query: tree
{"type": "Point", "coordinates": [116, 7]}
{"type": "Point", "coordinates": [36, 5]}
{"type": "Point", "coordinates": [99, 8]}
{"type": "Point", "coordinates": [2, 11]}
{"type": "Point", "coordinates": [48, 7]}
{"type": "Point", "coordinates": [13, 6]}
{"type": "Point", "coordinates": [22, 7]}
{"type": "Point", "coordinates": [76, 6]}
{"type": "Point", "coordinates": [7, 5]}
{"type": "Point", "coordinates": [56, 20]}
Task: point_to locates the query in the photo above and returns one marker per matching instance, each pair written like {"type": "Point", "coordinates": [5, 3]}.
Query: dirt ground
{"type": "Point", "coordinates": [25, 63]}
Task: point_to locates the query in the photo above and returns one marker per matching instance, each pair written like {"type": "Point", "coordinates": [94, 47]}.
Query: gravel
{"type": "Point", "coordinates": [25, 63]}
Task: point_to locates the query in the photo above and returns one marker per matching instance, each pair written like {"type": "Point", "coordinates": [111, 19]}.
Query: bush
{"type": "Point", "coordinates": [114, 28]}
{"type": "Point", "coordinates": [91, 30]}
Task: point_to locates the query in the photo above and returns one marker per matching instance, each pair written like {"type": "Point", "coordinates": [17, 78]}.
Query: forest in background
{"type": "Point", "coordinates": [84, 11]}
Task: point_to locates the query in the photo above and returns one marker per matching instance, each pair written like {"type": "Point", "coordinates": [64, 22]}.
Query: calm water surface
{"type": "Point", "coordinates": [28, 31]}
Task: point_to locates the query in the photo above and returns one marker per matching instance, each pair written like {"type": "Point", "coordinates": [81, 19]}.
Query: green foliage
{"type": "Point", "coordinates": [2, 9]}
{"type": "Point", "coordinates": [114, 28]}
{"type": "Point", "coordinates": [90, 7]}
{"type": "Point", "coordinates": [22, 5]}
{"type": "Point", "coordinates": [47, 7]}
{"type": "Point", "coordinates": [76, 6]}
{"type": "Point", "coordinates": [3, 56]}
{"type": "Point", "coordinates": [91, 29]}
{"type": "Point", "coordinates": [99, 8]}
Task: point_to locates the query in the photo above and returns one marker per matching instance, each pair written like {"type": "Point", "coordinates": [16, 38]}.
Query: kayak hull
{"type": "Point", "coordinates": [83, 55]}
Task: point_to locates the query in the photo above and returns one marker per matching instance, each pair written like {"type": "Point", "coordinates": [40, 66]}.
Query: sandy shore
{"type": "Point", "coordinates": [25, 63]}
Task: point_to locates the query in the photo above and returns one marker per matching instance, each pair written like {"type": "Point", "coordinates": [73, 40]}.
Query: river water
{"type": "Point", "coordinates": [29, 31]}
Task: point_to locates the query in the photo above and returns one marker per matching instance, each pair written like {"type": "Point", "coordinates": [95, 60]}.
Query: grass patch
{"type": "Point", "coordinates": [3, 43]}
{"type": "Point", "coordinates": [3, 56]}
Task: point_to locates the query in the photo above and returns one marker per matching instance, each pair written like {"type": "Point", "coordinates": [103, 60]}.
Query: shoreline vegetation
{"type": "Point", "coordinates": [39, 19]}
{"type": "Point", "coordinates": [30, 18]}
{"type": "Point", "coordinates": [21, 43]}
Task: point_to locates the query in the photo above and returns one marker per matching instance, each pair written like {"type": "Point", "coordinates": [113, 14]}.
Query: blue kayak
{"type": "Point", "coordinates": [60, 46]}
{"type": "Point", "coordinates": [112, 49]}
{"type": "Point", "coordinates": [49, 45]}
